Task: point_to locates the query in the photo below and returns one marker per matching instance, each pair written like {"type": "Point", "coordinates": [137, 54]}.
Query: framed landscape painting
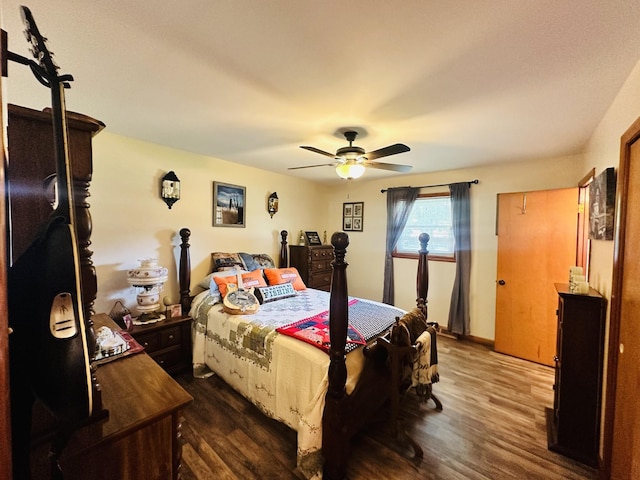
{"type": "Point", "coordinates": [229, 205]}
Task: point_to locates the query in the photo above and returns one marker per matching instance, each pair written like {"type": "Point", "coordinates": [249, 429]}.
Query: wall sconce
{"type": "Point", "coordinates": [272, 204]}
{"type": "Point", "coordinates": [170, 189]}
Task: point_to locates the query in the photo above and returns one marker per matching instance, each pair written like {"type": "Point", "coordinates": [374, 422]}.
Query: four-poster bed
{"type": "Point", "coordinates": [327, 399]}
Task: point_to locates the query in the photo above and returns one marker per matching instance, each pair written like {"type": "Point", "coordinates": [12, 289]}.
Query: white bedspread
{"type": "Point", "coordinates": [284, 377]}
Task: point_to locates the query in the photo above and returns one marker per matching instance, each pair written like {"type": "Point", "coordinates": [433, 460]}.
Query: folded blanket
{"type": "Point", "coordinates": [425, 364]}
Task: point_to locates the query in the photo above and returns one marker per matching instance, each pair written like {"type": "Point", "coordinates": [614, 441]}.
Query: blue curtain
{"type": "Point", "coordinates": [399, 203]}
{"type": "Point", "coordinates": [461, 217]}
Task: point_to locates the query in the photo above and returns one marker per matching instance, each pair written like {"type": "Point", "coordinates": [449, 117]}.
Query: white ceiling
{"type": "Point", "coordinates": [461, 82]}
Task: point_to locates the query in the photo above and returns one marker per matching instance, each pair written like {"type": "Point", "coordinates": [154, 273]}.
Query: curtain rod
{"type": "Point", "coordinates": [476, 181]}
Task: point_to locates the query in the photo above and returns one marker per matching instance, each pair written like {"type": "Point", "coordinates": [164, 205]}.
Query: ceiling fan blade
{"type": "Point", "coordinates": [386, 151]}
{"type": "Point", "coordinates": [388, 166]}
{"type": "Point", "coordinates": [317, 150]}
{"type": "Point", "coordinates": [311, 166]}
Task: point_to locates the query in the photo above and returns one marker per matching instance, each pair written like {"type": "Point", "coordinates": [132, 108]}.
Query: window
{"type": "Point", "coordinates": [430, 213]}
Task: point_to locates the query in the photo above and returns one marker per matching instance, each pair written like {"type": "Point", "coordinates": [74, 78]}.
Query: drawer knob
{"type": "Point", "coordinates": [171, 337]}
{"type": "Point", "coordinates": [145, 344]}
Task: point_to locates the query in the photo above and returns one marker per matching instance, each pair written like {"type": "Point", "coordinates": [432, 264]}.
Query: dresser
{"type": "Point", "coordinates": [140, 437]}
{"type": "Point", "coordinates": [168, 342]}
{"type": "Point", "coordinates": [574, 423]}
{"type": "Point", "coordinates": [313, 262]}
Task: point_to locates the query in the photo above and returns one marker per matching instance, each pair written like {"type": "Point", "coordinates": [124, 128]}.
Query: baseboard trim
{"type": "Point", "coordinates": [470, 338]}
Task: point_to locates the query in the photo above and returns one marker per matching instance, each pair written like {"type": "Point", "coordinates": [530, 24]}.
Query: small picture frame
{"type": "Point", "coordinates": [312, 238]}
{"type": "Point", "coordinates": [175, 310]}
{"type": "Point", "coordinates": [229, 202]}
{"type": "Point", "coordinates": [353, 216]}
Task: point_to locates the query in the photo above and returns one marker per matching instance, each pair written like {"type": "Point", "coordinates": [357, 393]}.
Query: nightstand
{"type": "Point", "coordinates": [168, 342]}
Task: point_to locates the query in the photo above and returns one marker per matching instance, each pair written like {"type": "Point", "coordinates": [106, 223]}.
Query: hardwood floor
{"type": "Point", "coordinates": [492, 427]}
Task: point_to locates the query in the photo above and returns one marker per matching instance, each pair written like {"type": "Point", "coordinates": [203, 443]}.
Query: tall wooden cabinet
{"type": "Point", "coordinates": [31, 169]}
{"type": "Point", "coordinates": [313, 262]}
{"type": "Point", "coordinates": [574, 423]}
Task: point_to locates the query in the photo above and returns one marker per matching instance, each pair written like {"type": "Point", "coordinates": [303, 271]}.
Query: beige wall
{"type": "Point", "coordinates": [366, 251]}
{"type": "Point", "coordinates": [603, 150]}
{"type": "Point", "coordinates": [130, 221]}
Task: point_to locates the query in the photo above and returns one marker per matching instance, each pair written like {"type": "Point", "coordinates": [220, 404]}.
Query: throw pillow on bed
{"type": "Point", "coordinates": [254, 261]}
{"type": "Point", "coordinates": [249, 280]}
{"type": "Point", "coordinates": [278, 276]}
{"type": "Point", "coordinates": [207, 282]}
{"type": "Point", "coordinates": [274, 292]}
{"type": "Point", "coordinates": [226, 261]}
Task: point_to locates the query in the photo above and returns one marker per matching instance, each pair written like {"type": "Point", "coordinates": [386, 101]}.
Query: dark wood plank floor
{"type": "Point", "coordinates": [492, 427]}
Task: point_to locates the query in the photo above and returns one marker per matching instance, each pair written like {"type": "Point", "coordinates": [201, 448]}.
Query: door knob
{"type": "Point", "coordinates": [501, 282]}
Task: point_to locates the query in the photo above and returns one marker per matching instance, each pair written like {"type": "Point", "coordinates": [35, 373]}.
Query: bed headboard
{"type": "Point", "coordinates": [184, 268]}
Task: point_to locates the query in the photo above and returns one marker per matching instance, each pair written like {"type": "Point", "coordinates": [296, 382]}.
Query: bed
{"type": "Point", "coordinates": [335, 373]}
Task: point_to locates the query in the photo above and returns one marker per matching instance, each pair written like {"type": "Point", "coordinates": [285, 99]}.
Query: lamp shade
{"type": "Point", "coordinates": [350, 170]}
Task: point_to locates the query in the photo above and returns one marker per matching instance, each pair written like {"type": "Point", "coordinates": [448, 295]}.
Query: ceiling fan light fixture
{"type": "Point", "coordinates": [349, 170]}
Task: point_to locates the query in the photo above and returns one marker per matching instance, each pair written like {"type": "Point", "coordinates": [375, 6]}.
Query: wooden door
{"type": "Point", "coordinates": [5, 426]}
{"type": "Point", "coordinates": [622, 416]}
{"type": "Point", "coordinates": [536, 246]}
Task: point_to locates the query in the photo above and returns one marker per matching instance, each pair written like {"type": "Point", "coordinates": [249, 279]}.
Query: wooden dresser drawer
{"type": "Point", "coordinates": [168, 359]}
{"type": "Point", "coordinates": [320, 266]}
{"type": "Point", "coordinates": [170, 337]}
{"type": "Point", "coordinates": [150, 341]}
{"type": "Point", "coordinates": [168, 342]}
{"type": "Point", "coordinates": [320, 280]}
{"type": "Point", "coordinates": [322, 254]}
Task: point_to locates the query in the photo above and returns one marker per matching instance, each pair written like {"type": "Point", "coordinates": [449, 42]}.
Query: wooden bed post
{"type": "Point", "coordinates": [422, 280]}
{"type": "Point", "coordinates": [184, 273]}
{"type": "Point", "coordinates": [283, 261]}
{"type": "Point", "coordinates": [335, 443]}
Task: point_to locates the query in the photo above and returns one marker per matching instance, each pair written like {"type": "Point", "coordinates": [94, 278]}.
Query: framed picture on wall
{"type": "Point", "coordinates": [353, 216]}
{"type": "Point", "coordinates": [229, 205]}
{"type": "Point", "coordinates": [602, 197]}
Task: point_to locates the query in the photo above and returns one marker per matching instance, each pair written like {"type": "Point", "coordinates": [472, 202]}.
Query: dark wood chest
{"type": "Point", "coordinates": [574, 423]}
{"type": "Point", "coordinates": [313, 263]}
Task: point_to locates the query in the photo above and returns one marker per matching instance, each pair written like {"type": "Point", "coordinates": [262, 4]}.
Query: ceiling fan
{"type": "Point", "coordinates": [351, 162]}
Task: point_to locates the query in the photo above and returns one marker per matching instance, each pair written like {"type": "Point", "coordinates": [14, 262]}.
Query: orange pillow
{"type": "Point", "coordinates": [278, 276]}
{"type": "Point", "coordinates": [249, 280]}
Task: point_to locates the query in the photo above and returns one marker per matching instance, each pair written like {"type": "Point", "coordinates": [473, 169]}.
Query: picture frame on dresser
{"type": "Point", "coordinates": [229, 205]}
{"type": "Point", "coordinates": [312, 238]}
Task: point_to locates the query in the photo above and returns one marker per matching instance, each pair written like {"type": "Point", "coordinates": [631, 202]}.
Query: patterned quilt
{"type": "Point", "coordinates": [258, 362]}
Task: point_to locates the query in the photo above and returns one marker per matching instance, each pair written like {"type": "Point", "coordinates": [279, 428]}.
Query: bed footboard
{"type": "Point", "coordinates": [345, 415]}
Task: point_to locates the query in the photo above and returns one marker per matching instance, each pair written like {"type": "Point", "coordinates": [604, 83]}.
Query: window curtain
{"type": "Point", "coordinates": [399, 203]}
{"type": "Point", "coordinates": [461, 218]}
